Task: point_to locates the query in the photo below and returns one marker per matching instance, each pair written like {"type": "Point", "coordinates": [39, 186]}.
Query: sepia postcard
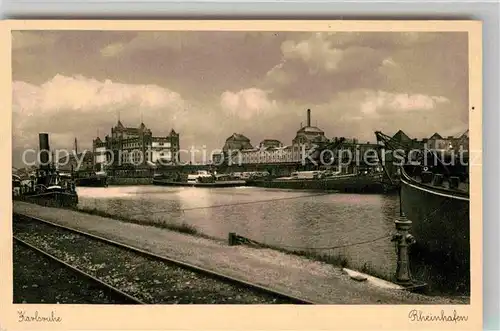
{"type": "Point", "coordinates": [246, 175]}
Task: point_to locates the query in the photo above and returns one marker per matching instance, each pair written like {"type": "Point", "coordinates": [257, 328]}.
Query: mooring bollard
{"type": "Point", "coordinates": [403, 239]}
{"type": "Point", "coordinates": [231, 240]}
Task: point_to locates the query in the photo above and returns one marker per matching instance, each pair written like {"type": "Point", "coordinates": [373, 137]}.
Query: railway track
{"type": "Point", "coordinates": [142, 277]}
{"type": "Point", "coordinates": [108, 290]}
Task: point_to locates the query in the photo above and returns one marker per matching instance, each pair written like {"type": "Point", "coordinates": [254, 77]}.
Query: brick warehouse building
{"type": "Point", "coordinates": [135, 146]}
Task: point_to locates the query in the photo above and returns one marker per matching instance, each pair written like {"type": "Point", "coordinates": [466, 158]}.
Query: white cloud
{"type": "Point", "coordinates": [247, 103]}
{"type": "Point", "coordinates": [65, 105]}
{"type": "Point", "coordinates": [317, 52]}
{"type": "Point", "coordinates": [88, 95]}
{"type": "Point", "coordinates": [279, 75]}
{"type": "Point", "coordinates": [389, 62]}
{"type": "Point", "coordinates": [112, 50]}
{"type": "Point", "coordinates": [153, 40]}
{"type": "Point", "coordinates": [376, 101]}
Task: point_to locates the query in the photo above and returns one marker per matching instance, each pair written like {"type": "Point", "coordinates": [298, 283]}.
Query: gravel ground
{"type": "Point", "coordinates": [38, 279]}
{"type": "Point", "coordinates": [313, 280]}
{"type": "Point", "coordinates": [150, 280]}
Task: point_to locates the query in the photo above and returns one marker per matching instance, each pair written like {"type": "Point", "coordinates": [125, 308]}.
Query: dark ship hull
{"type": "Point", "coordinates": [440, 224]}
{"type": "Point", "coordinates": [348, 183]}
{"type": "Point", "coordinates": [233, 183]}
{"type": "Point", "coordinates": [92, 182]}
{"type": "Point", "coordinates": [51, 199]}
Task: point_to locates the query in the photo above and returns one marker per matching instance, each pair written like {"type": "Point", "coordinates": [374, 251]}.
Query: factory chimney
{"type": "Point", "coordinates": [43, 139]}
{"type": "Point", "coordinates": [309, 117]}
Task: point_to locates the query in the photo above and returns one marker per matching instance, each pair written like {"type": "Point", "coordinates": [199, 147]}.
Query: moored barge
{"type": "Point", "coordinates": [233, 183]}
{"type": "Point", "coordinates": [438, 206]}
{"type": "Point", "coordinates": [94, 179]}
{"type": "Point", "coordinates": [201, 178]}
{"type": "Point", "coordinates": [434, 196]}
{"type": "Point", "coordinates": [348, 183]}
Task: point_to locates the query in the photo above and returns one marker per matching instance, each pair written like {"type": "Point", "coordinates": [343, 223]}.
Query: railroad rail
{"type": "Point", "coordinates": [124, 297]}
{"type": "Point", "coordinates": [168, 260]}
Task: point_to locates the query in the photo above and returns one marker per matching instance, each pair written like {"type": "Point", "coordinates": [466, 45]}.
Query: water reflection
{"type": "Point", "coordinates": [300, 221]}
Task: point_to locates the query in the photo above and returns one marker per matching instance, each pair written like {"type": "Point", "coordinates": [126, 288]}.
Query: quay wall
{"type": "Point", "coordinates": [130, 181]}
{"type": "Point", "coordinates": [144, 176]}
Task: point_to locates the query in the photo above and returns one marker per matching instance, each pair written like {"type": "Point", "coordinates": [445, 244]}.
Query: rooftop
{"type": "Point", "coordinates": [237, 136]}
{"type": "Point", "coordinates": [120, 127]}
{"type": "Point", "coordinates": [310, 129]}
{"type": "Point", "coordinates": [436, 136]}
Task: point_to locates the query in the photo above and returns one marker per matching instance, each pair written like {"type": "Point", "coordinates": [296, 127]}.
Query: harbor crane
{"type": "Point", "coordinates": [328, 146]}
{"type": "Point", "coordinates": [416, 153]}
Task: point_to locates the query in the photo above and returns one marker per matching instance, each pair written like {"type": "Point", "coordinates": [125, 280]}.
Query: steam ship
{"type": "Point", "coordinates": [46, 185]}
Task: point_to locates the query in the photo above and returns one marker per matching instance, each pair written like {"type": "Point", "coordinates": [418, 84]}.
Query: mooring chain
{"type": "Point", "coordinates": [248, 241]}
{"type": "Point", "coordinates": [243, 240]}
{"type": "Point", "coordinates": [234, 204]}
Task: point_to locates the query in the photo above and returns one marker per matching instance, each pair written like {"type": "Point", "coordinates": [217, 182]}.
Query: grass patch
{"type": "Point", "coordinates": [182, 228]}
{"type": "Point", "coordinates": [368, 269]}
{"type": "Point", "coordinates": [185, 228]}
{"type": "Point", "coordinates": [332, 259]}
{"type": "Point", "coordinates": [335, 260]}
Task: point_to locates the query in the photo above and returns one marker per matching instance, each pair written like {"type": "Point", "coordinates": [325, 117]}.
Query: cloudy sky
{"type": "Point", "coordinates": [207, 85]}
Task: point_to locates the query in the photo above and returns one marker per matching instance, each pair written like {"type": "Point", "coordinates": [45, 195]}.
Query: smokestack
{"type": "Point", "coordinates": [44, 149]}
{"type": "Point", "coordinates": [309, 117]}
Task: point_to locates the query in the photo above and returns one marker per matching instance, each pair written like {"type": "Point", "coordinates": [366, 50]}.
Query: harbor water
{"type": "Point", "coordinates": [353, 227]}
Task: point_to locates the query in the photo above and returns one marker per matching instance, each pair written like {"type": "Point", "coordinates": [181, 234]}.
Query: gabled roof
{"type": "Point", "coordinates": [436, 136]}
{"type": "Point", "coordinates": [237, 136]}
{"type": "Point", "coordinates": [119, 126]}
{"type": "Point", "coordinates": [401, 136]}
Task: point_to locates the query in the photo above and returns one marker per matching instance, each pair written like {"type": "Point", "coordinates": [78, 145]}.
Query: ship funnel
{"type": "Point", "coordinates": [309, 117]}
{"type": "Point", "coordinates": [44, 149]}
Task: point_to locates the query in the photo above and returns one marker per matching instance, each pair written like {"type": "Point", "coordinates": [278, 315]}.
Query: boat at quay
{"type": "Point", "coordinates": [233, 183]}
{"type": "Point", "coordinates": [201, 178]}
{"type": "Point", "coordinates": [94, 179]}
{"type": "Point", "coordinates": [434, 196]}
{"type": "Point", "coordinates": [438, 207]}
{"type": "Point", "coordinates": [46, 185]}
{"type": "Point", "coordinates": [364, 182]}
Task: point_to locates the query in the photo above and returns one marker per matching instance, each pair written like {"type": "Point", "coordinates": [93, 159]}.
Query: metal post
{"type": "Point", "coordinates": [231, 239]}
{"type": "Point", "coordinates": [403, 239]}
